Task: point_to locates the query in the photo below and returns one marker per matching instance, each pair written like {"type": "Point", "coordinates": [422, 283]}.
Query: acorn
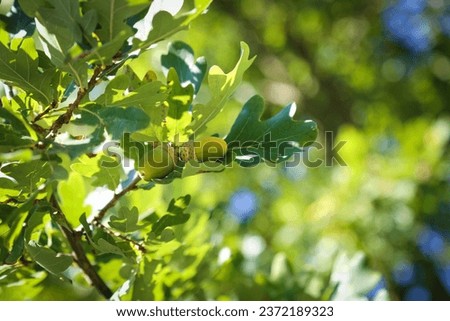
{"type": "Point", "coordinates": [210, 149]}
{"type": "Point", "coordinates": [158, 162]}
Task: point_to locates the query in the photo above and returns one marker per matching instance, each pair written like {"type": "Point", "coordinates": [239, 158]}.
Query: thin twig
{"type": "Point", "coordinates": [53, 105]}
{"type": "Point", "coordinates": [125, 238]}
{"type": "Point", "coordinates": [98, 218]}
{"type": "Point", "coordinates": [74, 239]}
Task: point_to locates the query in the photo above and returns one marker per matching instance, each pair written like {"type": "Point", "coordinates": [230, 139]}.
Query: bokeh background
{"type": "Point", "coordinates": [374, 73]}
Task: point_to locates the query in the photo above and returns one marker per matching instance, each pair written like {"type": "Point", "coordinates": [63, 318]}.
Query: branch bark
{"type": "Point", "coordinates": [65, 118]}
{"type": "Point", "coordinates": [74, 239]}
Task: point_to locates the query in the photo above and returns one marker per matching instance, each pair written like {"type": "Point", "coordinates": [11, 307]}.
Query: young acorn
{"type": "Point", "coordinates": [157, 163]}
{"type": "Point", "coordinates": [210, 149]}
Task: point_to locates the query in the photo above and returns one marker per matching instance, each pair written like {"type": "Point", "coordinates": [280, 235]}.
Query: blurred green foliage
{"type": "Point", "coordinates": [302, 232]}
{"type": "Point", "coordinates": [390, 106]}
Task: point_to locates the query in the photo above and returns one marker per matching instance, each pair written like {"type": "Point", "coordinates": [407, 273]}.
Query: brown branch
{"type": "Point", "coordinates": [98, 218]}
{"type": "Point", "coordinates": [45, 112]}
{"type": "Point", "coordinates": [65, 118]}
{"type": "Point", "coordinates": [74, 239]}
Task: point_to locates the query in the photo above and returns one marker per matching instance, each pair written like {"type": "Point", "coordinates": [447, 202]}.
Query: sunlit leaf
{"type": "Point", "coordinates": [71, 195]}
{"type": "Point", "coordinates": [20, 283]}
{"type": "Point", "coordinates": [18, 217]}
{"type": "Point", "coordinates": [164, 22]}
{"type": "Point", "coordinates": [178, 115]}
{"type": "Point", "coordinates": [112, 16]}
{"type": "Point", "coordinates": [274, 139]}
{"type": "Point", "coordinates": [221, 85]}
{"type": "Point", "coordinates": [189, 70]}
{"type": "Point", "coordinates": [127, 220]}
{"type": "Point", "coordinates": [28, 176]}
{"type": "Point", "coordinates": [149, 96]}
{"type": "Point", "coordinates": [60, 29]}
{"type": "Point", "coordinates": [86, 166]}
{"type": "Point", "coordinates": [20, 68]}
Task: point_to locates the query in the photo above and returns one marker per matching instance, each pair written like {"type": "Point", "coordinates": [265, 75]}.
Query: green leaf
{"type": "Point", "coordinates": [103, 53]}
{"type": "Point", "coordinates": [36, 224]}
{"type": "Point", "coordinates": [15, 140]}
{"type": "Point", "coordinates": [17, 249]}
{"type": "Point", "coordinates": [149, 97]}
{"type": "Point", "coordinates": [164, 23]}
{"type": "Point", "coordinates": [112, 16]}
{"type": "Point", "coordinates": [86, 226]}
{"type": "Point", "coordinates": [116, 120]}
{"type": "Point", "coordinates": [178, 115]}
{"type": "Point", "coordinates": [167, 235]}
{"type": "Point", "coordinates": [109, 175]}
{"type": "Point", "coordinates": [20, 283]}
{"type": "Point", "coordinates": [85, 166]}
{"type": "Point", "coordinates": [30, 7]}
{"type": "Point", "coordinates": [89, 21]}
{"type": "Point", "coordinates": [123, 120]}
{"type": "Point", "coordinates": [12, 230]}
{"type": "Point", "coordinates": [175, 215]}
{"type": "Point", "coordinates": [189, 70]}
{"type": "Point", "coordinates": [58, 28]}
{"type": "Point", "coordinates": [91, 122]}
{"type": "Point", "coordinates": [146, 96]}
{"type": "Point", "coordinates": [104, 247]}
{"type": "Point", "coordinates": [53, 262]}
{"type": "Point", "coordinates": [114, 91]}
{"type": "Point", "coordinates": [200, 8]}
{"type": "Point", "coordinates": [274, 139]}
{"type": "Point", "coordinates": [20, 68]}
{"type": "Point", "coordinates": [9, 121]}
{"type": "Point", "coordinates": [59, 25]}
{"type": "Point", "coordinates": [169, 220]}
{"type": "Point", "coordinates": [126, 220]}
{"type": "Point", "coordinates": [143, 283]}
{"type": "Point", "coordinates": [179, 205]}
{"type": "Point", "coordinates": [26, 177]}
{"type": "Point", "coordinates": [71, 196]}
{"type": "Point", "coordinates": [74, 146]}
{"type": "Point", "coordinates": [221, 86]}
{"type": "Point", "coordinates": [15, 20]}
{"type": "Point", "coordinates": [19, 216]}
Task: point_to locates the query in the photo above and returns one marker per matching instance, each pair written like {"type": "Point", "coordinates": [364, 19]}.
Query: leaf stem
{"type": "Point", "coordinates": [74, 239]}
{"type": "Point", "coordinates": [125, 238]}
